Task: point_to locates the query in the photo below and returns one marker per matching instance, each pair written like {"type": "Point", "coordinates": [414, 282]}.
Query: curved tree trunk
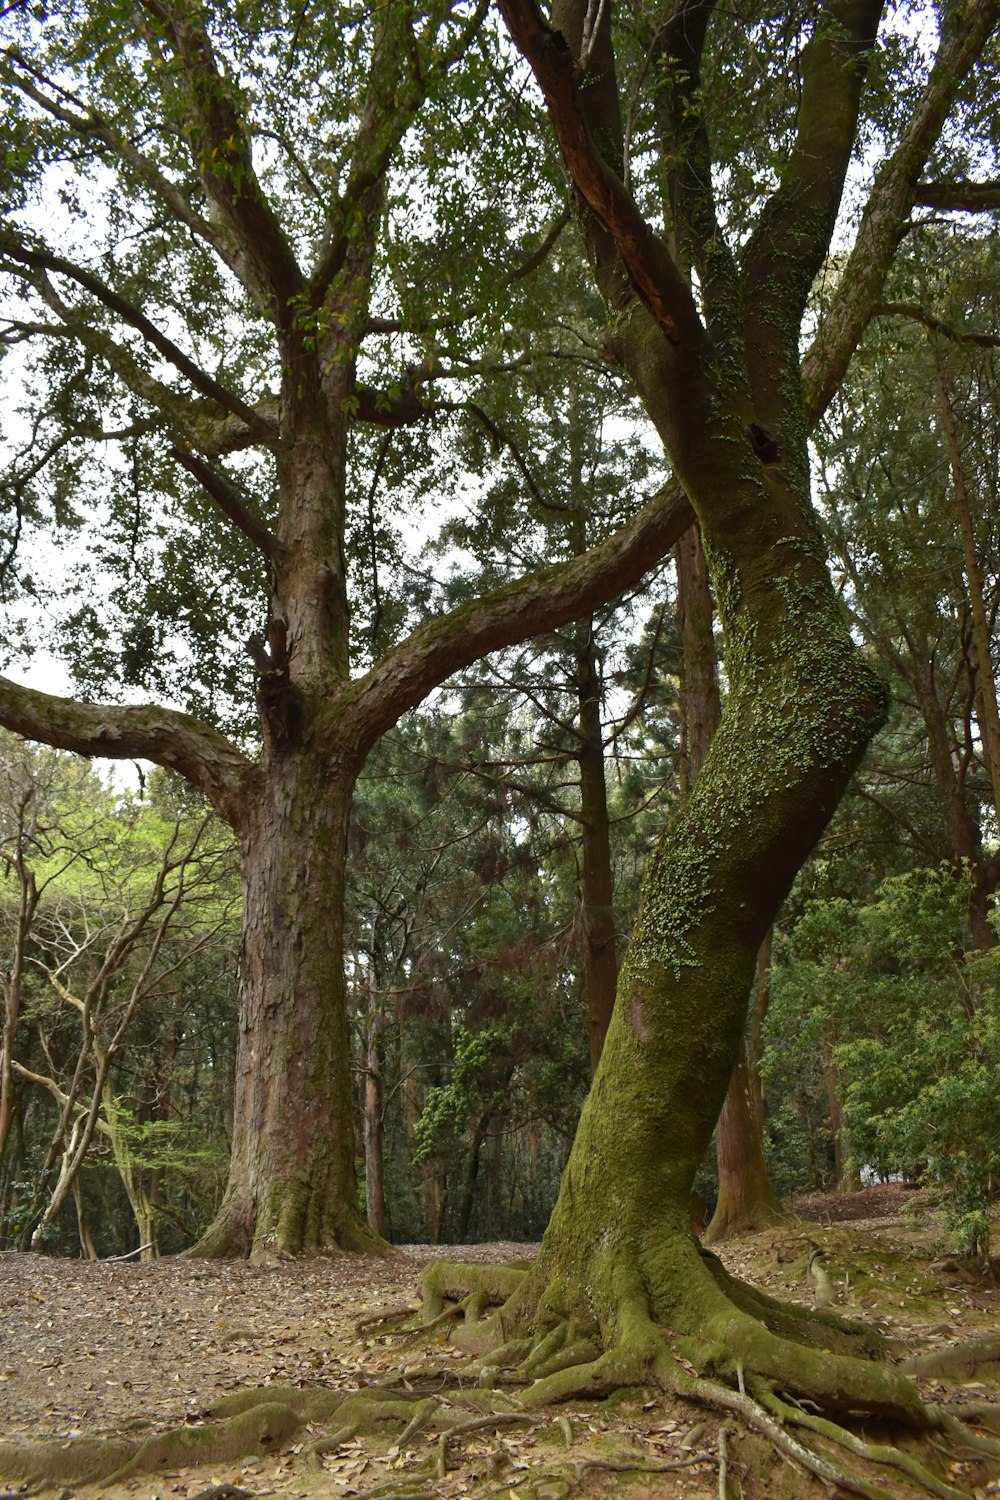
{"type": "Point", "coordinates": [746, 1198]}
{"type": "Point", "coordinates": [292, 1182]}
{"type": "Point", "coordinates": [803, 704]}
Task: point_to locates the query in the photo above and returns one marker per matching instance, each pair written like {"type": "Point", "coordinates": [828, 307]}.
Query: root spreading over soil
{"type": "Point", "coordinates": [329, 1377]}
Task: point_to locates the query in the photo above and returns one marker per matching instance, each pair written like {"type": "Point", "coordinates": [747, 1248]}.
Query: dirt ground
{"type": "Point", "coordinates": [118, 1347]}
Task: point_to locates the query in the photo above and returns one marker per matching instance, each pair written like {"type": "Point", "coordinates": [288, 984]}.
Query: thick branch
{"type": "Point", "coordinates": [959, 196]}
{"type": "Point", "coordinates": [800, 215]}
{"type": "Point", "coordinates": [394, 94]}
{"type": "Point", "coordinates": [680, 110]}
{"type": "Point", "coordinates": [204, 756]}
{"type": "Point", "coordinates": [528, 607]}
{"type": "Point", "coordinates": [887, 213]}
{"type": "Point", "coordinates": [647, 260]}
{"type": "Point", "coordinates": [221, 150]}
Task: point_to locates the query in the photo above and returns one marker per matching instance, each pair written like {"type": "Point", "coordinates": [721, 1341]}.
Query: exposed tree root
{"type": "Point", "coordinates": [798, 1378]}
{"type": "Point", "coordinates": [737, 1351]}
{"type": "Point", "coordinates": [879, 1453]}
{"type": "Point", "coordinates": [958, 1361]}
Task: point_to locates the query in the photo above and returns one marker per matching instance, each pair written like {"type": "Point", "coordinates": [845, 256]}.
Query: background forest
{"type": "Point", "coordinates": [497, 831]}
{"type": "Point", "coordinates": [485, 830]}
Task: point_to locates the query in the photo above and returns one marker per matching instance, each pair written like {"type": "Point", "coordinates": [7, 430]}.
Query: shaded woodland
{"type": "Point", "coordinates": [525, 481]}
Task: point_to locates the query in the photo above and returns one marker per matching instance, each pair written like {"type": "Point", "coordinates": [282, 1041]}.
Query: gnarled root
{"type": "Point", "coordinates": [250, 1421]}
{"type": "Point", "coordinates": [677, 1320]}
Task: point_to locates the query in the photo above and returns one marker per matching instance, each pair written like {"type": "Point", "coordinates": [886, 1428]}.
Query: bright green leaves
{"type": "Point", "coordinates": [889, 993]}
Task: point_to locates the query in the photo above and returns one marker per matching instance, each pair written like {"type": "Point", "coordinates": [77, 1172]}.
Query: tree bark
{"type": "Point", "coordinates": [746, 1201]}
{"type": "Point", "coordinates": [746, 1198]}
{"type": "Point", "coordinates": [292, 1183]}
{"type": "Point", "coordinates": [803, 704]}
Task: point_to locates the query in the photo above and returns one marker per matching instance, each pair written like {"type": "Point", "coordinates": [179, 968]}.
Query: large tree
{"type": "Point", "coordinates": [213, 262]}
{"type": "Point", "coordinates": [707, 303]}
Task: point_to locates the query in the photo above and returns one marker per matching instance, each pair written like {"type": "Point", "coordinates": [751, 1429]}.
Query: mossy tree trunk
{"type": "Point", "coordinates": [721, 378]}
{"type": "Point", "coordinates": [746, 1198]}
{"type": "Point", "coordinates": [802, 707]}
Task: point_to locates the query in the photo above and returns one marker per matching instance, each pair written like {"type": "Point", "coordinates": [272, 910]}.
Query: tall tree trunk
{"type": "Point", "coordinates": [292, 1182]}
{"type": "Point", "coordinates": [802, 706]}
{"type": "Point", "coordinates": [746, 1201]}
{"type": "Point", "coordinates": [700, 705]}
{"type": "Point", "coordinates": [13, 986]}
{"type": "Point", "coordinates": [87, 1248]}
{"type": "Point", "coordinates": [600, 959]}
{"type": "Point", "coordinates": [470, 1177]}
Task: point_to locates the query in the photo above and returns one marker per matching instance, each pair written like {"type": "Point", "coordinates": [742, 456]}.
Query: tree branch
{"type": "Point", "coordinates": [221, 151]}
{"type": "Point", "coordinates": [650, 267]}
{"type": "Point", "coordinates": [887, 212]}
{"type": "Point", "coordinates": [230, 503]}
{"type": "Point", "coordinates": [394, 94]}
{"type": "Point", "coordinates": [800, 215]}
{"type": "Point", "coordinates": [530, 606]}
{"type": "Point", "coordinates": [959, 196]}
{"type": "Point", "coordinates": [90, 124]}
{"type": "Point", "coordinates": [676, 56]}
{"type": "Point", "coordinates": [43, 260]}
{"type": "Point", "coordinates": [175, 740]}
{"type": "Point", "coordinates": [919, 315]}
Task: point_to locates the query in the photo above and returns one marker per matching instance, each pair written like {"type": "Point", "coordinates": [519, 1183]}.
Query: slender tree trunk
{"type": "Point", "coordinates": [26, 907]}
{"type": "Point", "coordinates": [990, 727]}
{"type": "Point", "coordinates": [470, 1178]}
{"type": "Point", "coordinates": [374, 1128]}
{"type": "Point", "coordinates": [143, 1211]}
{"type": "Point", "coordinates": [600, 960]}
{"type": "Point", "coordinates": [845, 1174]}
{"type": "Point", "coordinates": [87, 1248]}
{"type": "Point", "coordinates": [701, 708]}
{"type": "Point", "coordinates": [747, 1201]}
{"type": "Point", "coordinates": [292, 1184]}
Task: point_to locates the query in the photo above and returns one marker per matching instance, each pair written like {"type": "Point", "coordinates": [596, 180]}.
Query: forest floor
{"type": "Point", "coordinates": [116, 1347]}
